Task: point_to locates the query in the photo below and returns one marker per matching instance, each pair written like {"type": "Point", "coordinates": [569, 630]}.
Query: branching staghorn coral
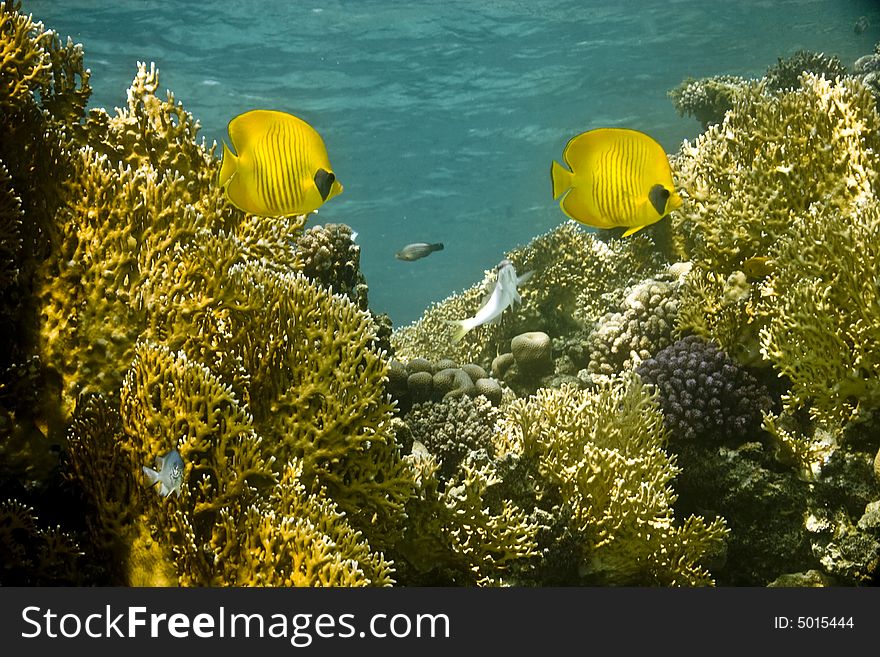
{"type": "Point", "coordinates": [466, 533]}
{"type": "Point", "coordinates": [599, 457]}
{"type": "Point", "coordinates": [317, 389]}
{"type": "Point", "coordinates": [773, 157]}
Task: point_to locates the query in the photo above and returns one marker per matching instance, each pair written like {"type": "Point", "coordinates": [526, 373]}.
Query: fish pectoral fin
{"type": "Point", "coordinates": [324, 182]}
{"type": "Point", "coordinates": [152, 475]}
{"type": "Point", "coordinates": [522, 279]}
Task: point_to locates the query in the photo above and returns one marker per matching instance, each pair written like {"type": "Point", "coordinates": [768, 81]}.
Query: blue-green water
{"type": "Point", "coordinates": [441, 118]}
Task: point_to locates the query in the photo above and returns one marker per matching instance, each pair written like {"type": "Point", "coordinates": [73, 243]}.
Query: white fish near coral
{"type": "Point", "coordinates": [504, 294]}
{"type": "Point", "coordinates": [169, 476]}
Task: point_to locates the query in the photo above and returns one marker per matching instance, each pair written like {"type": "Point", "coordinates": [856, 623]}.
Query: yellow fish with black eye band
{"type": "Point", "coordinates": [281, 166]}
{"type": "Point", "coordinates": [617, 177]}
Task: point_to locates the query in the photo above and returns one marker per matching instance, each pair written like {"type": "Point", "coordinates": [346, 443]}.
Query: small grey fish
{"type": "Point", "coordinates": [169, 476]}
{"type": "Point", "coordinates": [418, 250]}
{"type": "Point", "coordinates": [861, 25]}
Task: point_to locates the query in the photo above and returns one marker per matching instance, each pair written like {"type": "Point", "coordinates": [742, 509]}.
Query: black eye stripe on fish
{"type": "Point", "coordinates": [658, 197]}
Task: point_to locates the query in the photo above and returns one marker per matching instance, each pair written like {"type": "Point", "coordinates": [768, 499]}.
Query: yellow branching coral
{"type": "Point", "coordinates": [780, 219]}
{"type": "Point", "coordinates": [464, 530]}
{"type": "Point", "coordinates": [772, 158]}
{"type": "Point", "coordinates": [749, 179]}
{"type": "Point", "coordinates": [236, 522]}
{"type": "Point", "coordinates": [33, 59]}
{"type": "Point", "coordinates": [823, 331]}
{"type": "Point", "coordinates": [600, 454]}
{"type": "Point", "coordinates": [317, 390]}
{"type": "Point", "coordinates": [115, 227]}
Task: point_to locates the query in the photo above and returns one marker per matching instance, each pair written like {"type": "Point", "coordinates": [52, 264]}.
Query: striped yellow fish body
{"type": "Point", "coordinates": [281, 168]}
{"type": "Point", "coordinates": [618, 177]}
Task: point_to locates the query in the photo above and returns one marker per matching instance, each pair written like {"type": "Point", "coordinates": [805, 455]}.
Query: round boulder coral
{"type": "Point", "coordinates": [703, 393]}
{"type": "Point", "coordinates": [533, 352]}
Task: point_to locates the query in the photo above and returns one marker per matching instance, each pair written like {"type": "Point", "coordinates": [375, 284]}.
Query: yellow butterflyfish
{"type": "Point", "coordinates": [281, 167]}
{"type": "Point", "coordinates": [618, 177]}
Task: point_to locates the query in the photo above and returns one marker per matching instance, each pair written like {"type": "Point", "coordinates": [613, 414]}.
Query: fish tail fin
{"type": "Point", "coordinates": [229, 166]}
{"type": "Point", "coordinates": [437, 246]}
{"type": "Point", "coordinates": [561, 179]}
{"type": "Point", "coordinates": [462, 326]}
{"type": "Point", "coordinates": [152, 475]}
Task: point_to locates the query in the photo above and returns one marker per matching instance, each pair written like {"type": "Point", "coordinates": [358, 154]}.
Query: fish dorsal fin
{"type": "Point", "coordinates": [246, 129]}
{"type": "Point", "coordinates": [579, 147]}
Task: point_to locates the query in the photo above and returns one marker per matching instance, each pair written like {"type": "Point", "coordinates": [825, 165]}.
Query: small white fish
{"type": "Point", "coordinates": [169, 476]}
{"type": "Point", "coordinates": [503, 295]}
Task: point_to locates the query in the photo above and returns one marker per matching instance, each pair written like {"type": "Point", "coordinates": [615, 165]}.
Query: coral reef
{"type": "Point", "coordinates": [146, 314]}
{"type": "Point", "coordinates": [703, 393]}
{"type": "Point", "coordinates": [32, 555]}
{"type": "Point", "coordinates": [452, 428]}
{"type": "Point", "coordinates": [237, 521]}
{"type": "Point", "coordinates": [577, 278]}
{"type": "Point", "coordinates": [785, 74]}
{"type": "Point", "coordinates": [707, 99]}
{"type": "Point", "coordinates": [867, 68]}
{"type": "Point", "coordinates": [788, 181]}
{"type": "Point", "coordinates": [328, 255]}
{"type": "Point", "coordinates": [642, 325]}
{"type": "Point", "coordinates": [619, 516]}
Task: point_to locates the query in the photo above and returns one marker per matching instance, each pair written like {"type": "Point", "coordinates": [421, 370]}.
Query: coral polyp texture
{"type": "Point", "coordinates": [704, 393]}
